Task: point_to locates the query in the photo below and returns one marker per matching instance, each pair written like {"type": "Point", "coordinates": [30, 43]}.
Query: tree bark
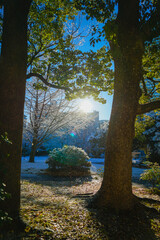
{"type": "Point", "coordinates": [127, 50]}
{"type": "Point", "coordinates": [13, 62]}
{"type": "Point", "coordinates": [33, 151]}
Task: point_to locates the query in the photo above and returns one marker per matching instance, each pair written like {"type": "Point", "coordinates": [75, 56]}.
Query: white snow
{"type": "Point", "coordinates": [36, 167]}
{"type": "Point", "coordinates": [39, 166]}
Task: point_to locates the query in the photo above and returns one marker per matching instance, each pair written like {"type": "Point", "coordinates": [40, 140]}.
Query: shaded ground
{"type": "Point", "coordinates": [57, 209]}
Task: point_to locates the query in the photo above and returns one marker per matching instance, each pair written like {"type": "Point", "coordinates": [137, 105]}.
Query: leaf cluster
{"type": "Point", "coordinates": [46, 27]}
{"type": "Point", "coordinates": [152, 175]}
{"type": "Point", "coordinates": [100, 9]}
{"type": "Point", "coordinates": [142, 123]}
{"type": "Point", "coordinates": [53, 58]}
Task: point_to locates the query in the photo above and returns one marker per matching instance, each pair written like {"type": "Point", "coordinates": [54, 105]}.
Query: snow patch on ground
{"type": "Point", "coordinates": [39, 166]}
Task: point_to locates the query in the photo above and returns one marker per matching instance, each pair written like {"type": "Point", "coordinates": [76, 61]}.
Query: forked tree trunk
{"type": "Point", "coordinates": [13, 63]}
{"type": "Point", "coordinates": [127, 50]}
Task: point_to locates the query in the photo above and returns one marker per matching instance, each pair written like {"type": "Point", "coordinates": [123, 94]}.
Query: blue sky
{"type": "Point", "coordinates": [104, 109]}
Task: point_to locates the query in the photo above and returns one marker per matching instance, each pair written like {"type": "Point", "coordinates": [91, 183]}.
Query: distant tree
{"type": "Point", "coordinates": [97, 140]}
{"type": "Point", "coordinates": [47, 111]}
{"type": "Point", "coordinates": [78, 131]}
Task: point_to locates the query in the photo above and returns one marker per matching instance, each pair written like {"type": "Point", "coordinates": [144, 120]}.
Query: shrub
{"type": "Point", "coordinates": [68, 157]}
{"type": "Point", "coordinates": [152, 175]}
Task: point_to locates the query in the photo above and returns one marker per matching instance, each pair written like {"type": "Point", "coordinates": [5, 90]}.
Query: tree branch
{"type": "Point", "coordinates": [144, 87]}
{"type": "Point", "coordinates": [144, 108]}
{"type": "Point", "coordinates": [46, 82]}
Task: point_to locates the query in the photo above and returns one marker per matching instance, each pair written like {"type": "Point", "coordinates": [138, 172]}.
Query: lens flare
{"type": "Point", "coordinates": [73, 134]}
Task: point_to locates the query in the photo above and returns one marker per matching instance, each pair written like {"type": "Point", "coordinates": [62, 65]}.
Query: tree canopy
{"type": "Point", "coordinates": [53, 57]}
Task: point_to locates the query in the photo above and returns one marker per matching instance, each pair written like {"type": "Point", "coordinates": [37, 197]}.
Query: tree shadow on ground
{"type": "Point", "coordinates": [142, 223]}
{"type": "Point", "coordinates": [49, 180]}
{"type": "Point", "coordinates": [141, 182]}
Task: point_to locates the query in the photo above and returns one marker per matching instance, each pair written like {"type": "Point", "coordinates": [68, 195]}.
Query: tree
{"type": "Point", "coordinates": [53, 57]}
{"type": "Point", "coordinates": [13, 62]}
{"type": "Point", "coordinates": [97, 140]}
{"type": "Point", "coordinates": [135, 23]}
{"type": "Point", "coordinates": [13, 66]}
{"type": "Point", "coordinates": [47, 112]}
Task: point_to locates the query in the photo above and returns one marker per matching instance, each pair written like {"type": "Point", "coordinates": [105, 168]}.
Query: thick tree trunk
{"type": "Point", "coordinates": [13, 63]}
{"type": "Point", "coordinates": [33, 151]}
{"type": "Point", "coordinates": [116, 189]}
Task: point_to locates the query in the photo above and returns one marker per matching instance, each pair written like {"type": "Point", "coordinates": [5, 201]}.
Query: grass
{"type": "Point", "coordinates": [57, 210]}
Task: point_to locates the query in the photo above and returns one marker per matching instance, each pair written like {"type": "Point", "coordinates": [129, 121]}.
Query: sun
{"type": "Point", "coordinates": [86, 105]}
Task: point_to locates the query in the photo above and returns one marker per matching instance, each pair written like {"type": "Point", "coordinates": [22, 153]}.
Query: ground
{"type": "Point", "coordinates": [56, 208]}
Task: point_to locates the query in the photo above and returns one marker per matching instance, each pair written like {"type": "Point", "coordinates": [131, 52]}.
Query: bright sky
{"type": "Point", "coordinates": [89, 105]}
{"type": "Point", "coordinates": [104, 109]}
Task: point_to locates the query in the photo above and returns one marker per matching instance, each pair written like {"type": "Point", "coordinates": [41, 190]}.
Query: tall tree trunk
{"type": "Point", "coordinates": [127, 50]}
{"type": "Point", "coordinates": [13, 62]}
{"type": "Point", "coordinates": [33, 151]}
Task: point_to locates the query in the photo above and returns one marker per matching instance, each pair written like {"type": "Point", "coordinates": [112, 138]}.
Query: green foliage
{"type": "Point", "coordinates": [68, 157]}
{"type": "Point", "coordinates": [143, 123]}
{"type": "Point", "coordinates": [100, 172]}
{"type": "Point", "coordinates": [152, 175]}
{"type": "Point", "coordinates": [4, 138]}
{"type": "Point", "coordinates": [151, 59]}
{"type": "Point", "coordinates": [4, 217]}
{"type": "Point", "coordinates": [101, 10]}
{"type": "Point", "coordinates": [51, 52]}
{"type": "Point", "coordinates": [151, 71]}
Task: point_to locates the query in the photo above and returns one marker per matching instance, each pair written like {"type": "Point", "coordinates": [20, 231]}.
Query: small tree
{"type": "Point", "coordinates": [46, 112]}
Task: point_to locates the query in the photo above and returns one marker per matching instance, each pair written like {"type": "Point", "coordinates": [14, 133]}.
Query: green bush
{"type": "Point", "coordinates": [68, 157]}
{"type": "Point", "coordinates": [152, 175]}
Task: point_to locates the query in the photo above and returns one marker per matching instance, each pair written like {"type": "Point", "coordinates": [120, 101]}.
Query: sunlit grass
{"type": "Point", "coordinates": [57, 215]}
